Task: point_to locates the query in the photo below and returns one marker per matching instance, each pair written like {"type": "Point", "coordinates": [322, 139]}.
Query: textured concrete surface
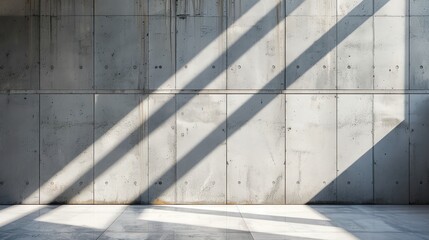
{"type": "Point", "coordinates": [354, 141]}
{"type": "Point", "coordinates": [214, 222]}
{"type": "Point", "coordinates": [19, 149]}
{"type": "Point", "coordinates": [214, 101]}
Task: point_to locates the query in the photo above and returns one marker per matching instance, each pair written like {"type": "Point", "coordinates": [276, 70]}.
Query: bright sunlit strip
{"type": "Point", "coordinates": [67, 179]}
{"type": "Point", "coordinates": [17, 212]}
{"type": "Point", "coordinates": [92, 217]}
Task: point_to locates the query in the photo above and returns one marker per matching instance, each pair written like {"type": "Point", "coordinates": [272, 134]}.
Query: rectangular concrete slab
{"type": "Point", "coordinates": [419, 8]}
{"type": "Point", "coordinates": [66, 52]}
{"type": "Point", "coordinates": [391, 53]}
{"type": "Point", "coordinates": [355, 149]}
{"type": "Point", "coordinates": [19, 52]}
{"type": "Point", "coordinates": [162, 52]}
{"type": "Point", "coordinates": [419, 53]}
{"type": "Point", "coordinates": [391, 7]}
{"type": "Point", "coordinates": [201, 59]}
{"type": "Point", "coordinates": [214, 8]}
{"type": "Point", "coordinates": [66, 7]}
{"type": "Point", "coordinates": [121, 7]}
{"type": "Point", "coordinates": [311, 7]}
{"type": "Point", "coordinates": [161, 7]}
{"type": "Point", "coordinates": [256, 46]}
{"type": "Point", "coordinates": [19, 149]}
{"type": "Point", "coordinates": [256, 149]}
{"type": "Point", "coordinates": [201, 149]}
{"type": "Point", "coordinates": [311, 149]}
{"type": "Point", "coordinates": [162, 148]}
{"type": "Point", "coordinates": [355, 59]}
{"type": "Point", "coordinates": [254, 30]}
{"type": "Point", "coordinates": [19, 7]}
{"type": "Point", "coordinates": [120, 52]}
{"type": "Point", "coordinates": [310, 52]}
{"type": "Point", "coordinates": [355, 7]}
{"type": "Point", "coordinates": [120, 172]}
{"type": "Point", "coordinates": [419, 163]}
{"type": "Point", "coordinates": [66, 150]}
{"type": "Point", "coordinates": [391, 149]}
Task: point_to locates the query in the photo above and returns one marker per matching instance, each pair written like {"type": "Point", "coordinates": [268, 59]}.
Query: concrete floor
{"type": "Point", "coordinates": [214, 222]}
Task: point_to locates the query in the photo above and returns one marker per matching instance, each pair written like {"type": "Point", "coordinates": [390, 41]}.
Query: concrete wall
{"type": "Point", "coordinates": [214, 101]}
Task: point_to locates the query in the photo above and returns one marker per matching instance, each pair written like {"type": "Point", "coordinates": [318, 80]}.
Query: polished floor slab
{"type": "Point", "coordinates": [300, 222]}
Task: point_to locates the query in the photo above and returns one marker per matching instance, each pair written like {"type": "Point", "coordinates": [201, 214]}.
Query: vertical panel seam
{"type": "Point", "coordinates": [175, 149]}
{"type": "Point", "coordinates": [409, 148]}
{"type": "Point", "coordinates": [284, 47]}
{"type": "Point", "coordinates": [373, 149]}
{"type": "Point", "coordinates": [40, 74]}
{"type": "Point", "coordinates": [373, 45]}
{"type": "Point", "coordinates": [173, 16]}
{"type": "Point", "coordinates": [284, 151]}
{"type": "Point", "coordinates": [409, 100]}
{"type": "Point", "coordinates": [175, 97]}
{"type": "Point", "coordinates": [226, 99]}
{"type": "Point", "coordinates": [285, 100]}
{"type": "Point", "coordinates": [373, 102]}
{"type": "Point", "coordinates": [40, 127]}
{"type": "Point", "coordinates": [336, 101]}
{"type": "Point", "coordinates": [93, 102]}
{"type": "Point", "coordinates": [226, 148]}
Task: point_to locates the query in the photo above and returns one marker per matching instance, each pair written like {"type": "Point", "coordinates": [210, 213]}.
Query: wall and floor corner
{"type": "Point", "coordinates": [214, 102]}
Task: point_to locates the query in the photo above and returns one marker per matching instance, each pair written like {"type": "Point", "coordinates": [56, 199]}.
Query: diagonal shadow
{"type": "Point", "coordinates": [158, 118]}
{"type": "Point", "coordinates": [75, 188]}
{"type": "Point", "coordinates": [310, 57]}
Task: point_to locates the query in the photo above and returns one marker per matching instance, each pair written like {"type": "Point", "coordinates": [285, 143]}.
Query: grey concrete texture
{"type": "Point", "coordinates": [66, 147]}
{"type": "Point", "coordinates": [19, 149]}
{"type": "Point", "coordinates": [120, 43]}
{"type": "Point", "coordinates": [214, 102]}
{"type": "Point", "coordinates": [66, 52]}
{"type": "Point", "coordinates": [247, 166]}
{"type": "Point", "coordinates": [311, 148]}
{"type": "Point", "coordinates": [19, 52]}
{"type": "Point", "coordinates": [116, 117]}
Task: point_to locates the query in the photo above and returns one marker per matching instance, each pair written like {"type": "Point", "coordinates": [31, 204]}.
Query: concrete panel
{"type": "Point", "coordinates": [120, 172]}
{"type": "Point", "coordinates": [419, 162]}
{"type": "Point", "coordinates": [355, 53]}
{"type": "Point", "coordinates": [66, 52]}
{"type": "Point", "coordinates": [419, 7]}
{"type": "Point", "coordinates": [391, 53]}
{"type": "Point", "coordinates": [66, 7]}
{"type": "Point", "coordinates": [355, 7]}
{"type": "Point", "coordinates": [201, 58]}
{"type": "Point", "coordinates": [391, 7]}
{"type": "Point", "coordinates": [201, 149]}
{"type": "Point", "coordinates": [19, 52]}
{"type": "Point", "coordinates": [120, 51]}
{"type": "Point", "coordinates": [214, 8]}
{"type": "Point", "coordinates": [161, 7]}
{"type": "Point", "coordinates": [256, 149]}
{"type": "Point", "coordinates": [19, 149]}
{"type": "Point", "coordinates": [355, 162]}
{"type": "Point", "coordinates": [391, 149]}
{"type": "Point", "coordinates": [162, 49]}
{"type": "Point", "coordinates": [311, 7]}
{"type": "Point", "coordinates": [307, 39]}
{"type": "Point", "coordinates": [419, 53]}
{"type": "Point", "coordinates": [311, 149]}
{"type": "Point", "coordinates": [66, 151]}
{"type": "Point", "coordinates": [256, 46]}
{"type": "Point", "coordinates": [162, 149]}
{"type": "Point", "coordinates": [121, 7]}
{"type": "Point", "coordinates": [19, 7]}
